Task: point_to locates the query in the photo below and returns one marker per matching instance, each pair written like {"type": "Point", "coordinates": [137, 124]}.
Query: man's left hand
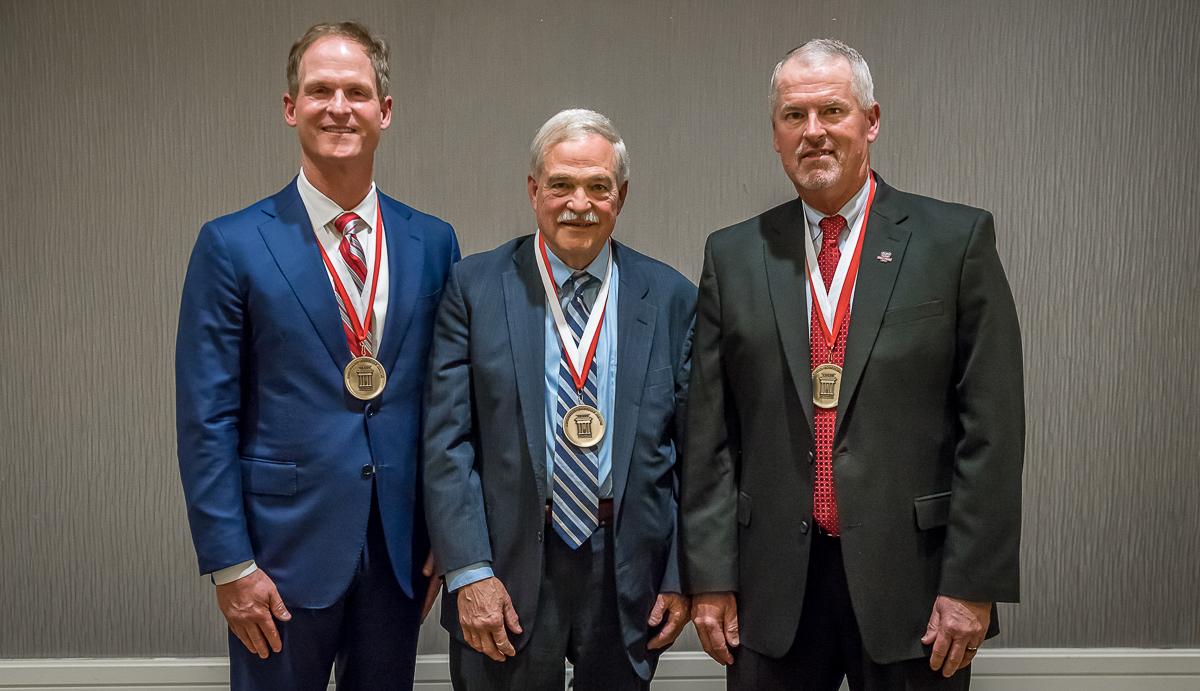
{"type": "Point", "coordinates": [676, 608]}
{"type": "Point", "coordinates": [956, 630]}
{"type": "Point", "coordinates": [434, 575]}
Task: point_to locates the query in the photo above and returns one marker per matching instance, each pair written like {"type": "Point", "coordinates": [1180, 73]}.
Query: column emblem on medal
{"type": "Point", "coordinates": [365, 378]}
{"type": "Point", "coordinates": [827, 385]}
{"type": "Point", "coordinates": [583, 426]}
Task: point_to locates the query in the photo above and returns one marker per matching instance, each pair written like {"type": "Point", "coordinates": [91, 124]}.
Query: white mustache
{"type": "Point", "coordinates": [568, 215]}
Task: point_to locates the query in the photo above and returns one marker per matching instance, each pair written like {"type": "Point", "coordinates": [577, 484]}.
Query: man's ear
{"type": "Point", "coordinates": [385, 112]}
{"type": "Point", "coordinates": [289, 109]}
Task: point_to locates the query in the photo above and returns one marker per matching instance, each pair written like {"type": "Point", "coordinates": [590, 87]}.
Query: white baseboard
{"type": "Point", "coordinates": [998, 669]}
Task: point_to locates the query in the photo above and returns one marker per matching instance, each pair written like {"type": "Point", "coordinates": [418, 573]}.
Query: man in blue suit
{"type": "Point", "coordinates": [556, 406]}
{"type": "Point", "coordinates": [301, 357]}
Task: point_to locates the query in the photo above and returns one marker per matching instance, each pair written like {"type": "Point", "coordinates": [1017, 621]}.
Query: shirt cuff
{"type": "Point", "coordinates": [468, 575]}
{"type": "Point", "coordinates": [229, 574]}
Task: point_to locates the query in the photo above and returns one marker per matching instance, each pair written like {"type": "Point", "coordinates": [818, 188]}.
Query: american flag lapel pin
{"type": "Point", "coordinates": [884, 257]}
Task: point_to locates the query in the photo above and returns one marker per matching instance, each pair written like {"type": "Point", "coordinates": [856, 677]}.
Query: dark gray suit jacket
{"type": "Point", "coordinates": [485, 446]}
{"type": "Point", "coordinates": [929, 439]}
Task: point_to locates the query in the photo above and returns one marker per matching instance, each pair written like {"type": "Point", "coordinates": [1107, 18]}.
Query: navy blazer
{"type": "Point", "coordinates": [485, 450]}
{"type": "Point", "coordinates": [277, 458]}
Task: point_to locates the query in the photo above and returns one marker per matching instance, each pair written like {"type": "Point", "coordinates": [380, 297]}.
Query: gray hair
{"type": "Point", "coordinates": [822, 50]}
{"type": "Point", "coordinates": [576, 123]}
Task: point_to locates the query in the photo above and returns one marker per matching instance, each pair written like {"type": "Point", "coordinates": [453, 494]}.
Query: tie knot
{"type": "Point", "coordinates": [577, 286]}
{"type": "Point", "coordinates": [831, 228]}
{"type": "Point", "coordinates": [346, 222]}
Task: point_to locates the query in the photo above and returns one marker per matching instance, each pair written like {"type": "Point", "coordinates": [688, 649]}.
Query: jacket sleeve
{"type": "Point", "coordinates": [208, 356]}
{"type": "Point", "coordinates": [670, 582]}
{"type": "Point", "coordinates": [453, 494]}
{"type": "Point", "coordinates": [981, 561]}
{"type": "Point", "coordinates": [708, 490]}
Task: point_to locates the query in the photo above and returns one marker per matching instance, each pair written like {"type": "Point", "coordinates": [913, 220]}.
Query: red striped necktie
{"type": "Point", "coordinates": [348, 224]}
{"type": "Point", "coordinates": [824, 498]}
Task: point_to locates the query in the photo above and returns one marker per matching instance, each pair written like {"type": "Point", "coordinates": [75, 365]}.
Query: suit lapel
{"type": "Point", "coordinates": [293, 244]}
{"type": "Point", "coordinates": [872, 289]}
{"type": "Point", "coordinates": [635, 334]}
{"type": "Point", "coordinates": [787, 283]}
{"type": "Point", "coordinates": [406, 253]}
{"type": "Point", "coordinates": [525, 307]}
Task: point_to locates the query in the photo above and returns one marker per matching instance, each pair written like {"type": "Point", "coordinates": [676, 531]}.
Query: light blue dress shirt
{"type": "Point", "coordinates": [606, 384]}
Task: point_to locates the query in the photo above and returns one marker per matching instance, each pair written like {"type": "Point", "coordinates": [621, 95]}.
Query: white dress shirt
{"type": "Point", "coordinates": [853, 213]}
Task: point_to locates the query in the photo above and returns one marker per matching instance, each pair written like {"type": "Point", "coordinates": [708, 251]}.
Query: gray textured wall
{"type": "Point", "coordinates": [131, 123]}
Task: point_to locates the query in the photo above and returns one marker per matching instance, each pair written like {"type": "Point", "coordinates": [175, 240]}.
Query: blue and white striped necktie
{"type": "Point", "coordinates": [576, 496]}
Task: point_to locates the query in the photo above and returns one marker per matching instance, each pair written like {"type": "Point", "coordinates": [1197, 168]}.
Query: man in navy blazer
{"type": "Point", "coordinates": [302, 479]}
{"type": "Point", "coordinates": [557, 533]}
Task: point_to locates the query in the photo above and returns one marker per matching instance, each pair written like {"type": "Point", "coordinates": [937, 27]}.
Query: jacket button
{"type": "Point", "coordinates": [367, 471]}
{"type": "Point", "coordinates": [810, 457]}
{"type": "Point", "coordinates": [370, 410]}
{"type": "Point", "coordinates": [804, 527]}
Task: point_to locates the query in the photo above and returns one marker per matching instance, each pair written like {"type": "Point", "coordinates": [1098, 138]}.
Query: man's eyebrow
{"type": "Point", "coordinates": [560, 177]}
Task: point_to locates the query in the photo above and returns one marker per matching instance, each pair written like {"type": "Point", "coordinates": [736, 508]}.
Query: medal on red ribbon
{"type": "Point", "coordinates": [827, 378]}
{"type": "Point", "coordinates": [365, 377]}
{"type": "Point", "coordinates": [582, 425]}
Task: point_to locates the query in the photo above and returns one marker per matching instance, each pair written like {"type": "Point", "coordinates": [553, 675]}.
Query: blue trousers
{"type": "Point", "coordinates": [577, 620]}
{"type": "Point", "coordinates": [370, 633]}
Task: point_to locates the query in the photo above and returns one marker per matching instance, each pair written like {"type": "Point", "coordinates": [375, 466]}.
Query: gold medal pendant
{"type": "Point", "coordinates": [365, 378]}
{"type": "Point", "coordinates": [583, 426]}
{"type": "Point", "coordinates": [827, 385]}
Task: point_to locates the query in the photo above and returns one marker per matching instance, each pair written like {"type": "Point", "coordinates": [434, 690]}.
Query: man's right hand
{"type": "Point", "coordinates": [484, 610]}
{"type": "Point", "coordinates": [715, 618]}
{"type": "Point", "coordinates": [250, 605]}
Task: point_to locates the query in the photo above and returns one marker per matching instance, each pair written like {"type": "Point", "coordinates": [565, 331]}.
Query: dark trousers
{"type": "Point", "coordinates": [576, 620]}
{"type": "Point", "coordinates": [370, 632]}
{"type": "Point", "coordinates": [828, 644]}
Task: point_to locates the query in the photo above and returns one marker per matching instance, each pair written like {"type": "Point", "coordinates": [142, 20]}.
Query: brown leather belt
{"type": "Point", "coordinates": [606, 512]}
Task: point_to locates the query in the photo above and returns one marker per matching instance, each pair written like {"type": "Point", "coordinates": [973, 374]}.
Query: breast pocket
{"type": "Point", "coordinates": [260, 476]}
{"type": "Point", "coordinates": [659, 377]}
{"type": "Point", "coordinates": [901, 315]}
{"type": "Point", "coordinates": [427, 303]}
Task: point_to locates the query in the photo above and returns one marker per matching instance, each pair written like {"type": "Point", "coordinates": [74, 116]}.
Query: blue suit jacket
{"type": "Point", "coordinates": [276, 456]}
{"type": "Point", "coordinates": [485, 449]}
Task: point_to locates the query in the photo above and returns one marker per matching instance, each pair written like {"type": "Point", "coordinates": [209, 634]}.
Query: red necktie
{"type": "Point", "coordinates": [824, 500]}
{"type": "Point", "coordinates": [356, 260]}
{"type": "Point", "coordinates": [351, 251]}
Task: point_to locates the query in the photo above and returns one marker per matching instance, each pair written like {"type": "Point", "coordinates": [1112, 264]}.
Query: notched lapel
{"type": "Point", "coordinates": [635, 334]}
{"type": "Point", "coordinates": [293, 244]}
{"type": "Point", "coordinates": [872, 291]}
{"type": "Point", "coordinates": [783, 254]}
{"type": "Point", "coordinates": [525, 309]}
{"type": "Point", "coordinates": [406, 263]}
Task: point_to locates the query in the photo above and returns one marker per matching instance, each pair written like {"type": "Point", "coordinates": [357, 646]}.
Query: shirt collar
{"type": "Point", "coordinates": [562, 272]}
{"type": "Point", "coordinates": [325, 210]}
{"type": "Point", "coordinates": [851, 211]}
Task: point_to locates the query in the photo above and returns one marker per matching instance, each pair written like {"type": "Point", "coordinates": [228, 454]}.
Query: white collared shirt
{"type": "Point", "coordinates": [322, 211]}
{"type": "Point", "coordinates": [852, 212]}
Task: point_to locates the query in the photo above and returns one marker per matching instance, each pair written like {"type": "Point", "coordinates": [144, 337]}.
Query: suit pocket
{"type": "Point", "coordinates": [662, 375]}
{"type": "Point", "coordinates": [933, 510]}
{"type": "Point", "coordinates": [427, 303]}
{"type": "Point", "coordinates": [260, 476]}
{"type": "Point", "coordinates": [908, 314]}
{"type": "Point", "coordinates": [744, 509]}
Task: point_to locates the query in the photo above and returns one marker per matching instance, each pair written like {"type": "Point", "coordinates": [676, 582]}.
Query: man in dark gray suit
{"type": "Point", "coordinates": [554, 417]}
{"type": "Point", "coordinates": [852, 493]}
